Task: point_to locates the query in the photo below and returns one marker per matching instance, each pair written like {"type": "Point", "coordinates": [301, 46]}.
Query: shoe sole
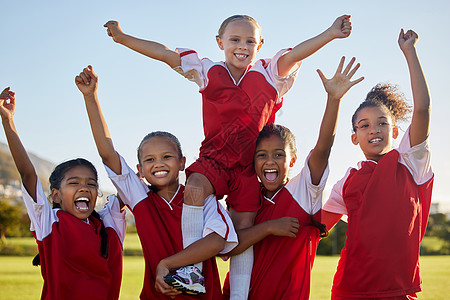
{"type": "Point", "coordinates": [192, 290]}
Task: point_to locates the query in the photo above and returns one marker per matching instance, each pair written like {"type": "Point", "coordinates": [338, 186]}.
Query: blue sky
{"type": "Point", "coordinates": [46, 43]}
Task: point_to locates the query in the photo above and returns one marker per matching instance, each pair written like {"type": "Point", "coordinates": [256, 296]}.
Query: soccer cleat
{"type": "Point", "coordinates": [189, 280]}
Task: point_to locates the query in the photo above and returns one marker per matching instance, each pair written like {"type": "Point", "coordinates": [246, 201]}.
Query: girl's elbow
{"type": "Point", "coordinates": [171, 58]}
{"type": "Point", "coordinates": [218, 243]}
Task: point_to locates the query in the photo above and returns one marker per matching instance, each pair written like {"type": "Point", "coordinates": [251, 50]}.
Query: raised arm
{"type": "Point", "coordinates": [341, 28]}
{"type": "Point", "coordinates": [87, 83]}
{"type": "Point", "coordinates": [336, 87]}
{"type": "Point", "coordinates": [20, 156]}
{"type": "Point", "coordinates": [148, 48]}
{"type": "Point", "coordinates": [420, 123]}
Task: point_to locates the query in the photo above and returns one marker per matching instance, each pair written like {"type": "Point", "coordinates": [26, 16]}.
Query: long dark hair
{"type": "Point", "coordinates": [55, 183]}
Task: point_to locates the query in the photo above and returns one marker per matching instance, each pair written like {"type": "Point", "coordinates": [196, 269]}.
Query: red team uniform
{"type": "Point", "coordinates": [282, 266]}
{"type": "Point", "coordinates": [69, 248]}
{"type": "Point", "coordinates": [233, 115]}
{"type": "Point", "coordinates": [387, 204]}
{"type": "Point", "coordinates": [158, 223]}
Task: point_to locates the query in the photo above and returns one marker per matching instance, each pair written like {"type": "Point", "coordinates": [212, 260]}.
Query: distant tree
{"type": "Point", "coordinates": [11, 218]}
{"type": "Point", "coordinates": [335, 241]}
{"type": "Point", "coordinates": [439, 226]}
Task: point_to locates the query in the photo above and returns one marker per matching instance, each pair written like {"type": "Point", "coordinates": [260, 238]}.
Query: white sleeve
{"type": "Point", "coordinates": [335, 202]}
{"type": "Point", "coordinates": [282, 84]}
{"type": "Point", "coordinates": [112, 217]}
{"type": "Point", "coordinates": [307, 195]}
{"type": "Point", "coordinates": [130, 188]}
{"type": "Point", "coordinates": [417, 159]}
{"type": "Point", "coordinates": [216, 219]}
{"type": "Point", "coordinates": [41, 214]}
{"type": "Point", "coordinates": [192, 67]}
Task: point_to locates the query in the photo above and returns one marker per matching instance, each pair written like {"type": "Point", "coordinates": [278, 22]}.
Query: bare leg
{"type": "Point", "coordinates": [198, 187]}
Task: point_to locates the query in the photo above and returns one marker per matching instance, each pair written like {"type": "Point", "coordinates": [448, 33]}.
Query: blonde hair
{"type": "Point", "coordinates": [233, 18]}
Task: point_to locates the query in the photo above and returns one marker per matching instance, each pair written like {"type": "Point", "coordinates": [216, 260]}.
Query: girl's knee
{"type": "Point", "coordinates": [197, 189]}
{"type": "Point", "coordinates": [193, 195]}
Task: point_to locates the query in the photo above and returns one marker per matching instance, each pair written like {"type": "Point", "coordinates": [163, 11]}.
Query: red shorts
{"type": "Point", "coordinates": [240, 183]}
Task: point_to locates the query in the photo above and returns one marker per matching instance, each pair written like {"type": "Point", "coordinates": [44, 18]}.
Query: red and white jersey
{"type": "Point", "coordinates": [235, 112]}
{"type": "Point", "coordinates": [69, 248]}
{"type": "Point", "coordinates": [158, 223]}
{"type": "Point", "coordinates": [282, 265]}
{"type": "Point", "coordinates": [387, 204]}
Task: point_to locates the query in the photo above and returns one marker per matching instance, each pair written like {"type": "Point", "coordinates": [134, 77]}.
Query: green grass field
{"type": "Point", "coordinates": [20, 280]}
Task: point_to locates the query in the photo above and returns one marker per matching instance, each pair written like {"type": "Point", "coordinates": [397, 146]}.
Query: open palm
{"type": "Point", "coordinates": [340, 83]}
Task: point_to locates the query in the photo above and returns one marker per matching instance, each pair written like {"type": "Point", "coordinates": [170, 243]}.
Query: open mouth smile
{"type": "Point", "coordinates": [82, 204]}
{"type": "Point", "coordinates": [271, 175]}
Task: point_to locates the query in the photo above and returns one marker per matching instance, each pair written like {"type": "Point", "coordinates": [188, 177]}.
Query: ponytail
{"type": "Point", "coordinates": [323, 229]}
{"type": "Point", "coordinates": [36, 260]}
{"type": "Point", "coordinates": [104, 235]}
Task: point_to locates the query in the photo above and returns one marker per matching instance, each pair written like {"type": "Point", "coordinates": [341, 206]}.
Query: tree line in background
{"type": "Point", "coordinates": [14, 222]}
{"type": "Point", "coordinates": [436, 241]}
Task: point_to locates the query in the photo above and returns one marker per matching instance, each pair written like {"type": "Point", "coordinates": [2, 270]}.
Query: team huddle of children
{"type": "Point", "coordinates": [272, 224]}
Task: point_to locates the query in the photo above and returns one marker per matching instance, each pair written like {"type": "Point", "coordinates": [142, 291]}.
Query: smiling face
{"type": "Point", "coordinates": [241, 41]}
{"type": "Point", "coordinates": [77, 193]}
{"type": "Point", "coordinates": [374, 132]}
{"type": "Point", "coordinates": [272, 162]}
{"type": "Point", "coordinates": [161, 163]}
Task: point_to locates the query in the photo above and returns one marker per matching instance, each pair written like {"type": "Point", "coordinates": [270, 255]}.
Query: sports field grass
{"type": "Point", "coordinates": [20, 280]}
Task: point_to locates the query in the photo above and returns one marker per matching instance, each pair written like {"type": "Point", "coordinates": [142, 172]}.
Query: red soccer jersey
{"type": "Point", "coordinates": [387, 205]}
{"type": "Point", "coordinates": [69, 248]}
{"type": "Point", "coordinates": [235, 113]}
{"type": "Point", "coordinates": [388, 214]}
{"type": "Point", "coordinates": [159, 229]}
{"type": "Point", "coordinates": [71, 263]}
{"type": "Point", "coordinates": [158, 223]}
{"type": "Point", "coordinates": [282, 265]}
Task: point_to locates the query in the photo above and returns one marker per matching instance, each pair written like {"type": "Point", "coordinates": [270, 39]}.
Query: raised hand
{"type": "Point", "coordinates": [341, 27]}
{"type": "Point", "coordinates": [408, 40]}
{"type": "Point", "coordinates": [286, 226]}
{"type": "Point", "coordinates": [114, 30]}
{"type": "Point", "coordinates": [7, 103]}
{"type": "Point", "coordinates": [340, 83]}
{"type": "Point", "coordinates": [87, 81]}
